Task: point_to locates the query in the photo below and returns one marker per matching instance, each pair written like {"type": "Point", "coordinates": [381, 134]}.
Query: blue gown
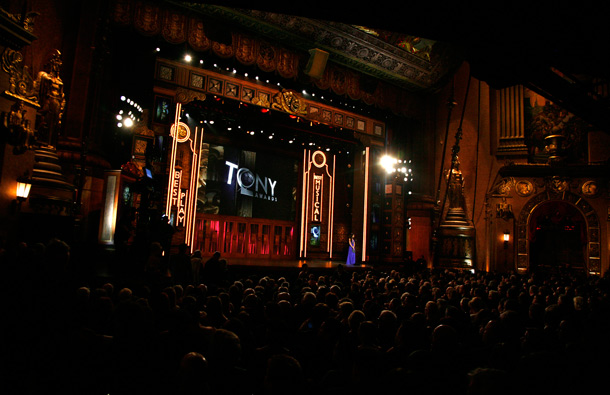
{"type": "Point", "coordinates": [351, 256]}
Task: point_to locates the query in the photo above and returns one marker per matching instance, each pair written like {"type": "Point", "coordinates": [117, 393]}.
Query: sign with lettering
{"type": "Point", "coordinates": [181, 216]}
{"type": "Point", "coordinates": [250, 183]}
{"type": "Point", "coordinates": [316, 203]}
{"type": "Point", "coordinates": [175, 187]}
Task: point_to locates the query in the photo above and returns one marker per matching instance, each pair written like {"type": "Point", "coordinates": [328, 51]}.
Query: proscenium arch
{"type": "Point", "coordinates": [593, 251]}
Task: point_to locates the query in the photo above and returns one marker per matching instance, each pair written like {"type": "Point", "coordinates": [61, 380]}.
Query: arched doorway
{"type": "Point", "coordinates": [558, 229]}
{"type": "Point", "coordinates": [557, 237]}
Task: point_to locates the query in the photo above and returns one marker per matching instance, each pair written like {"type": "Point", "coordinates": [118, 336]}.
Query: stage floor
{"type": "Point", "coordinates": [284, 263]}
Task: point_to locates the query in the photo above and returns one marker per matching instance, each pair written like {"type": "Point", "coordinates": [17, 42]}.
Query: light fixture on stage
{"type": "Point", "coordinates": [396, 167]}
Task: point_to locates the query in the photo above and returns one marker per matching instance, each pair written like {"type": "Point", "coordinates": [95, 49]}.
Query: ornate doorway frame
{"type": "Point", "coordinates": [593, 253]}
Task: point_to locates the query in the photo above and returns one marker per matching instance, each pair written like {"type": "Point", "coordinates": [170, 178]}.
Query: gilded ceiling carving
{"type": "Point", "coordinates": [177, 26]}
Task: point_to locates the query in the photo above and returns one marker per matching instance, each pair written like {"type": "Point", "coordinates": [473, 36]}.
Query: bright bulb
{"type": "Point", "coordinates": [128, 122]}
{"type": "Point", "coordinates": [188, 58]}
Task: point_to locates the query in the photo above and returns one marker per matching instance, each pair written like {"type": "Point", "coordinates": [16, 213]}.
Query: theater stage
{"type": "Point", "coordinates": [287, 263]}
{"type": "Point", "coordinates": [245, 265]}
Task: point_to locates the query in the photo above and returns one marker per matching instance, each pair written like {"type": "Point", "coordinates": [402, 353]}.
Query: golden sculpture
{"type": "Point", "coordinates": [50, 90]}
{"type": "Point", "coordinates": [456, 188]}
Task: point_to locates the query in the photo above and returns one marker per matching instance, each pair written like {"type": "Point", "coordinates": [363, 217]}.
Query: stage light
{"type": "Point", "coordinates": [128, 122]}
{"type": "Point", "coordinates": [188, 58]}
{"type": "Point", "coordinates": [119, 117]}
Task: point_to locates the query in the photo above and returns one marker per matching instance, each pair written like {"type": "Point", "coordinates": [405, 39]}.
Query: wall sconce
{"type": "Point", "coordinates": [23, 190]}
{"type": "Point", "coordinates": [506, 238]}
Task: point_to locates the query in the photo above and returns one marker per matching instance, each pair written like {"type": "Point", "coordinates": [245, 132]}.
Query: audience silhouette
{"type": "Point", "coordinates": [326, 331]}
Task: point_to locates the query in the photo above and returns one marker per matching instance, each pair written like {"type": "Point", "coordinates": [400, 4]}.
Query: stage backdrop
{"type": "Point", "coordinates": [246, 183]}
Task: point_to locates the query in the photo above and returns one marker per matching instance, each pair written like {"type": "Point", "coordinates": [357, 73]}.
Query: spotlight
{"type": "Point", "coordinates": [188, 58]}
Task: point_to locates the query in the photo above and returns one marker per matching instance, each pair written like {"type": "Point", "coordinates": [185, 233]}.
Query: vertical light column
{"type": "Point", "coordinates": [196, 144]}
{"type": "Point", "coordinates": [304, 195]}
{"type": "Point", "coordinates": [331, 212]}
{"type": "Point", "coordinates": [365, 216]}
{"type": "Point", "coordinates": [172, 161]}
{"type": "Point", "coordinates": [110, 207]}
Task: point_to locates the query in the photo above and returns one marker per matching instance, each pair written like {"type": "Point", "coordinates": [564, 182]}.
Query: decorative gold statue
{"type": "Point", "coordinates": [50, 90]}
{"type": "Point", "coordinates": [456, 187]}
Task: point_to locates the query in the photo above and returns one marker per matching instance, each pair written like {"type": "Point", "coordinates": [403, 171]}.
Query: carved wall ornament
{"type": "Point", "coordinates": [290, 102]}
{"type": "Point", "coordinates": [524, 188]}
{"type": "Point", "coordinates": [21, 83]}
{"type": "Point", "coordinates": [15, 128]}
{"type": "Point", "coordinates": [589, 189]}
{"type": "Point", "coordinates": [504, 210]}
{"type": "Point", "coordinates": [557, 184]}
{"type": "Point", "coordinates": [503, 186]}
{"type": "Point", "coordinates": [186, 96]}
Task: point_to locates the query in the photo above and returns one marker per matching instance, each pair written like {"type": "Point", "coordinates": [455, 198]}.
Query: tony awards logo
{"type": "Point", "coordinates": [250, 183]}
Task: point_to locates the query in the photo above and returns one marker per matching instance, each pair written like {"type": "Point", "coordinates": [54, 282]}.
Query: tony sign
{"type": "Point", "coordinates": [250, 183]}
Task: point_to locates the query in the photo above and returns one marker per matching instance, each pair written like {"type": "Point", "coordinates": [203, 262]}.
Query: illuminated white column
{"type": "Point", "coordinates": [365, 216]}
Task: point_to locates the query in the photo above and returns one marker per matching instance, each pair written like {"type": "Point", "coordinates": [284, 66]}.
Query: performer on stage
{"type": "Point", "coordinates": [351, 253]}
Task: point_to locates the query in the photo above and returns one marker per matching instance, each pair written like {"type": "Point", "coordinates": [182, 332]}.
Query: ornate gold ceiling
{"type": "Point", "coordinates": [409, 62]}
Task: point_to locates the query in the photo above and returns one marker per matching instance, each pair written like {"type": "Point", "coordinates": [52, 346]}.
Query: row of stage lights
{"type": "Point", "coordinates": [400, 168]}
{"type": "Point", "coordinates": [189, 59]}
{"type": "Point", "coordinates": [129, 115]}
{"type": "Point", "coordinates": [272, 136]}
